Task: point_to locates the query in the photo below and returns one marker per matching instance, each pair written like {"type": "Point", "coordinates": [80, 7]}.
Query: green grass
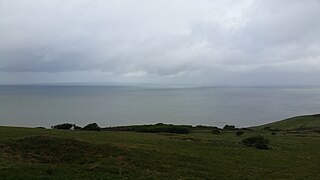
{"type": "Point", "coordinates": [30, 153]}
{"type": "Point", "coordinates": [308, 122]}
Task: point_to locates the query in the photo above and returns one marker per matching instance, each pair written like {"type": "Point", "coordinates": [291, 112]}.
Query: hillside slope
{"type": "Point", "coordinates": [33, 153]}
{"type": "Point", "coordinates": [307, 122]}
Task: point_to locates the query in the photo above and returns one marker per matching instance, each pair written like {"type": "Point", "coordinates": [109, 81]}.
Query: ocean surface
{"type": "Point", "coordinates": [46, 105]}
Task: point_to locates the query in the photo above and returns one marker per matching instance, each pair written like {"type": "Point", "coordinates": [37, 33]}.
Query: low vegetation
{"type": "Point", "coordinates": [69, 126]}
{"type": "Point", "coordinates": [92, 127]}
{"type": "Point", "coordinates": [152, 128]}
{"type": "Point", "coordinates": [308, 122]}
{"type": "Point", "coordinates": [216, 131]}
{"type": "Point", "coordinates": [205, 128]}
{"type": "Point", "coordinates": [64, 126]}
{"type": "Point", "coordinates": [51, 149]}
{"type": "Point", "coordinates": [239, 133]}
{"type": "Point", "coordinates": [156, 128]}
{"type": "Point", "coordinates": [258, 142]}
{"type": "Point", "coordinates": [122, 153]}
{"type": "Point", "coordinates": [229, 127]}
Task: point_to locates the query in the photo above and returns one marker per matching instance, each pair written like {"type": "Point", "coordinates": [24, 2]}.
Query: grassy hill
{"type": "Point", "coordinates": [307, 122]}
{"type": "Point", "coordinates": [33, 153]}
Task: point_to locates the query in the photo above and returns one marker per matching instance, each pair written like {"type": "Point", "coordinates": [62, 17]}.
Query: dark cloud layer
{"type": "Point", "coordinates": [245, 42]}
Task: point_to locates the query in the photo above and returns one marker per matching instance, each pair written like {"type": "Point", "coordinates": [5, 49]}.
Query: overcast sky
{"type": "Point", "coordinates": [202, 42]}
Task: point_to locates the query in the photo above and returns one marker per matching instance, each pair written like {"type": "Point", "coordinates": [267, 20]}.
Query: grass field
{"type": "Point", "coordinates": [307, 122]}
{"type": "Point", "coordinates": [32, 153]}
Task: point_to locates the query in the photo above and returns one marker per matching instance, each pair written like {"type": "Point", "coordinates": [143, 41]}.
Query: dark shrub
{"type": "Point", "coordinates": [179, 129]}
{"type": "Point", "coordinates": [202, 127]}
{"type": "Point", "coordinates": [229, 127]}
{"type": "Point", "coordinates": [156, 128]}
{"type": "Point", "coordinates": [75, 127]}
{"type": "Point", "coordinates": [216, 131]}
{"type": "Point", "coordinates": [65, 126]}
{"type": "Point", "coordinates": [273, 133]}
{"type": "Point", "coordinates": [92, 127]}
{"type": "Point", "coordinates": [316, 131]}
{"type": "Point", "coordinates": [239, 133]}
{"type": "Point", "coordinates": [258, 142]}
{"type": "Point", "coordinates": [267, 128]}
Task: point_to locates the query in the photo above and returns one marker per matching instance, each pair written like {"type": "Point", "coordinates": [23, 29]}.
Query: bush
{"type": "Point", "coordinates": [273, 133]}
{"type": "Point", "coordinates": [316, 131]}
{"type": "Point", "coordinates": [75, 127]}
{"type": "Point", "coordinates": [229, 127]}
{"type": "Point", "coordinates": [216, 131]}
{"type": "Point", "coordinates": [156, 128]}
{"type": "Point", "coordinates": [65, 126]}
{"type": "Point", "coordinates": [92, 127]}
{"type": "Point", "coordinates": [267, 128]}
{"type": "Point", "coordinates": [202, 127]}
{"type": "Point", "coordinates": [179, 129]}
{"type": "Point", "coordinates": [258, 142]}
{"type": "Point", "coordinates": [239, 133]}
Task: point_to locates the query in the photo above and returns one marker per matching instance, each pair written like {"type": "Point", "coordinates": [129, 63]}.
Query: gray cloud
{"type": "Point", "coordinates": [210, 42]}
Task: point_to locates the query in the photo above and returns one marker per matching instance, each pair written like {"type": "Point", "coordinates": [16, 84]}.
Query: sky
{"type": "Point", "coordinates": [197, 42]}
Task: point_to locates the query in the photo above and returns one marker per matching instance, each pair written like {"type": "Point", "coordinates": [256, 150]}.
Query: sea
{"type": "Point", "coordinates": [116, 105]}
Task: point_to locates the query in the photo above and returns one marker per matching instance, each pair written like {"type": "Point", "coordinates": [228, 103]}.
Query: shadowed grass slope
{"type": "Point", "coordinates": [51, 149]}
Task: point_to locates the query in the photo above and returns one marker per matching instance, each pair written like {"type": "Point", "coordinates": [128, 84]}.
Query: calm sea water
{"type": "Point", "coordinates": [46, 105]}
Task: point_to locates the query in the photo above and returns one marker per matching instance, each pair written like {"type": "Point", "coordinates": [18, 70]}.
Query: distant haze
{"type": "Point", "coordinates": [206, 42]}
